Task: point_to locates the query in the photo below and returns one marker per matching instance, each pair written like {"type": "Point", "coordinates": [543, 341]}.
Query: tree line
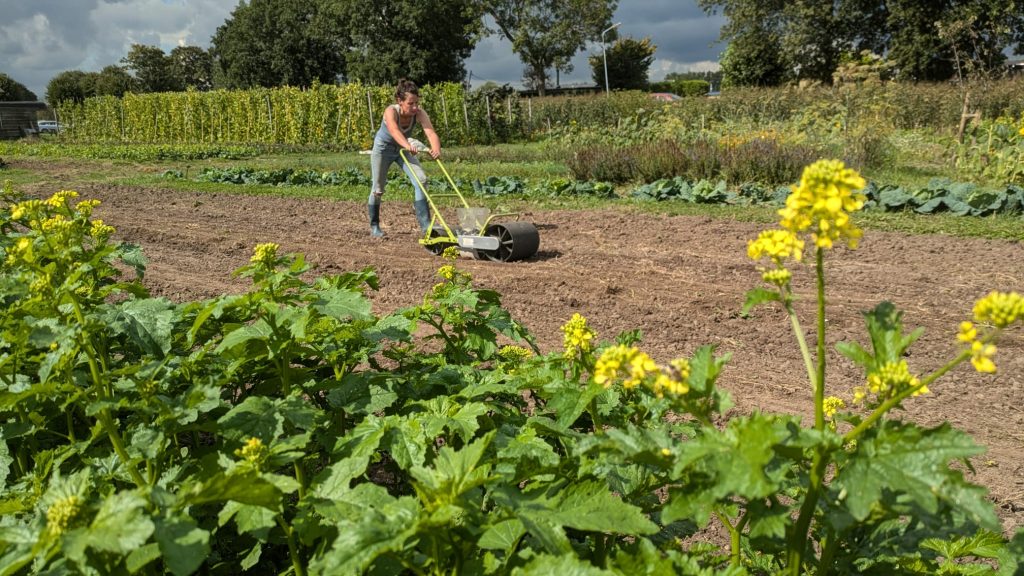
{"type": "Point", "coordinates": [773, 42]}
{"type": "Point", "coordinates": [270, 43]}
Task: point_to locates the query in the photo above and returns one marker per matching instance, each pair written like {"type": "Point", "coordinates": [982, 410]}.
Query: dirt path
{"type": "Point", "coordinates": [681, 280]}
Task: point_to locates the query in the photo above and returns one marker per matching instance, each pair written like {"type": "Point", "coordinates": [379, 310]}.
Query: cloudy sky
{"type": "Point", "coordinates": [41, 38]}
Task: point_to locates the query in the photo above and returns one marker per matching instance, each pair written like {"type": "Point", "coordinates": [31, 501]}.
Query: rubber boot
{"type": "Point", "coordinates": [422, 214]}
{"type": "Point", "coordinates": [374, 212]}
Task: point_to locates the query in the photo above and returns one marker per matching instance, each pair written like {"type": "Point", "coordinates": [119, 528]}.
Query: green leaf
{"type": "Point", "coordinates": [119, 527]}
{"type": "Point", "coordinates": [142, 557]}
{"type": "Point", "coordinates": [131, 254]}
{"type": "Point", "coordinates": [184, 545]}
{"type": "Point", "coordinates": [504, 535]}
{"type": "Point", "coordinates": [585, 506]}
{"type": "Point", "coordinates": [912, 462]}
{"type": "Point", "coordinates": [147, 323]}
{"type": "Point", "coordinates": [759, 296]}
{"type": "Point", "coordinates": [342, 304]}
{"type": "Point", "coordinates": [246, 487]}
{"type": "Point", "coordinates": [255, 417]}
{"type": "Point", "coordinates": [334, 482]}
{"type": "Point", "coordinates": [259, 331]}
{"type": "Point", "coordinates": [563, 565]}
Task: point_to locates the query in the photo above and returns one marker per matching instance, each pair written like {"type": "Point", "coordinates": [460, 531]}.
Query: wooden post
{"type": "Point", "coordinates": [444, 107]}
{"type": "Point", "coordinates": [369, 106]}
{"type": "Point", "coordinates": [487, 100]}
{"type": "Point", "coordinates": [965, 117]}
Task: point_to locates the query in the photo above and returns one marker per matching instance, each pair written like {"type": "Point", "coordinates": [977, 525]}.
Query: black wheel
{"type": "Point", "coordinates": [438, 248]}
{"type": "Point", "coordinates": [516, 241]}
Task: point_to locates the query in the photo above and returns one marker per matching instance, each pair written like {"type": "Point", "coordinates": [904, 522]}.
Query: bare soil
{"type": "Point", "coordinates": [681, 280]}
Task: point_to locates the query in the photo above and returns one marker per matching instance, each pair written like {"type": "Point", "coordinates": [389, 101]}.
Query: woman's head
{"type": "Point", "coordinates": [405, 87]}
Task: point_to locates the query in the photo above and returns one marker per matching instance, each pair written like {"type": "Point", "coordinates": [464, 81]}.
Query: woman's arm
{"type": "Point", "coordinates": [428, 129]}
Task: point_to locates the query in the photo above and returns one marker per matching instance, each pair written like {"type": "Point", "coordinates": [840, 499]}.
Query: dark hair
{"type": "Point", "coordinates": [405, 87]}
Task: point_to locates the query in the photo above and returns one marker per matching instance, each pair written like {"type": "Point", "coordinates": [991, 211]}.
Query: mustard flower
{"type": "Point", "coordinates": [450, 253]}
{"type": "Point", "coordinates": [57, 225]}
{"type": "Point", "coordinates": [967, 333]}
{"type": "Point", "coordinates": [254, 452]}
{"type": "Point", "coordinates": [20, 251]}
{"type": "Point", "coordinates": [26, 208]}
{"type": "Point", "coordinates": [779, 277]}
{"type": "Point", "coordinates": [516, 354]}
{"type": "Point", "coordinates": [62, 514]}
{"type": "Point", "coordinates": [447, 272]}
{"type": "Point", "coordinates": [265, 254]}
{"type": "Point", "coordinates": [577, 336]}
{"type": "Point", "coordinates": [674, 379]}
{"type": "Point", "coordinates": [625, 361]}
{"type": "Point", "coordinates": [60, 199]}
{"type": "Point", "coordinates": [778, 245]}
{"type": "Point", "coordinates": [512, 356]}
{"type": "Point", "coordinates": [85, 207]}
{"type": "Point", "coordinates": [822, 203]}
{"type": "Point", "coordinates": [889, 379]}
{"type": "Point", "coordinates": [999, 309]}
{"type": "Point", "coordinates": [831, 405]}
{"type": "Point", "coordinates": [97, 229]}
{"type": "Point", "coordinates": [981, 357]}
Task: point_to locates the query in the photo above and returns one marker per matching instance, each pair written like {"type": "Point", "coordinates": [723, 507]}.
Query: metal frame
{"type": "Point", "coordinates": [452, 237]}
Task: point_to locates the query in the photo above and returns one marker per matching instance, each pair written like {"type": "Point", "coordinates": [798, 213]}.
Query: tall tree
{"type": "Point", "coordinates": [547, 33]}
{"type": "Point", "coordinates": [925, 39]}
{"type": "Point", "coordinates": [425, 40]}
{"type": "Point", "coordinates": [152, 69]}
{"type": "Point", "coordinates": [753, 58]}
{"type": "Point", "coordinates": [193, 67]}
{"type": "Point", "coordinates": [71, 85]}
{"type": "Point", "coordinates": [629, 61]}
{"type": "Point", "coordinates": [14, 91]}
{"type": "Point", "coordinates": [113, 81]}
{"type": "Point", "coordinates": [281, 42]}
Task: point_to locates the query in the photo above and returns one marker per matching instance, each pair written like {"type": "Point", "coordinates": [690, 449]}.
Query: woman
{"type": "Point", "coordinates": [393, 136]}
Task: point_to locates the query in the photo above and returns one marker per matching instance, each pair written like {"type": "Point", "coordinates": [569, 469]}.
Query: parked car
{"type": "Point", "coordinates": [49, 127]}
{"type": "Point", "coordinates": [665, 96]}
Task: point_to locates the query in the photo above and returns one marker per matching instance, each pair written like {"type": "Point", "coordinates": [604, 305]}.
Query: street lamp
{"type": "Point", "coordinates": [604, 53]}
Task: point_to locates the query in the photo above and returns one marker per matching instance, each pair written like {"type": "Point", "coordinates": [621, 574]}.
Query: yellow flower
{"type": "Point", "coordinates": [967, 332]}
{"type": "Point", "coordinates": [447, 272]}
{"type": "Point", "coordinates": [59, 199]}
{"type": "Point", "coordinates": [97, 229]}
{"type": "Point", "coordinates": [85, 207]}
{"type": "Point", "coordinates": [779, 277]}
{"type": "Point", "coordinates": [450, 253]}
{"type": "Point", "coordinates": [623, 361]}
{"type": "Point", "coordinates": [981, 357]}
{"type": "Point", "coordinates": [832, 405]}
{"type": "Point", "coordinates": [26, 208]}
{"type": "Point", "coordinates": [265, 254]}
{"type": "Point", "coordinates": [999, 309]}
{"type": "Point", "coordinates": [889, 379]}
{"type": "Point", "coordinates": [61, 515]}
{"type": "Point", "coordinates": [666, 452]}
{"type": "Point", "coordinates": [777, 245]}
{"type": "Point", "coordinates": [577, 336]}
{"type": "Point", "coordinates": [21, 250]}
{"type": "Point", "coordinates": [254, 452]}
{"type": "Point", "coordinates": [514, 353]}
{"type": "Point", "coordinates": [822, 203]}
{"type": "Point", "coordinates": [674, 379]}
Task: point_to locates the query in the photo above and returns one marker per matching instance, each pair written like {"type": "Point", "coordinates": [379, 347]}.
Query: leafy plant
{"type": "Point", "coordinates": [288, 427]}
{"type": "Point", "coordinates": [498, 186]}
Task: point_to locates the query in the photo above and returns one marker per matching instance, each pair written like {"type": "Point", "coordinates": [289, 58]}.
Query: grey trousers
{"type": "Point", "coordinates": [381, 158]}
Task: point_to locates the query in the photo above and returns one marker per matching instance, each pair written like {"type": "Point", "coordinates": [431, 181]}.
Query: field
{"type": "Point", "coordinates": [681, 279]}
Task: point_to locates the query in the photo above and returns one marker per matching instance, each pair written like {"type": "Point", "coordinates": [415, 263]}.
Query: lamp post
{"type": "Point", "coordinates": [604, 53]}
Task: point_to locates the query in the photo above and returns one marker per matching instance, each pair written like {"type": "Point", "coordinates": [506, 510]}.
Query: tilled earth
{"type": "Point", "coordinates": [681, 280]}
